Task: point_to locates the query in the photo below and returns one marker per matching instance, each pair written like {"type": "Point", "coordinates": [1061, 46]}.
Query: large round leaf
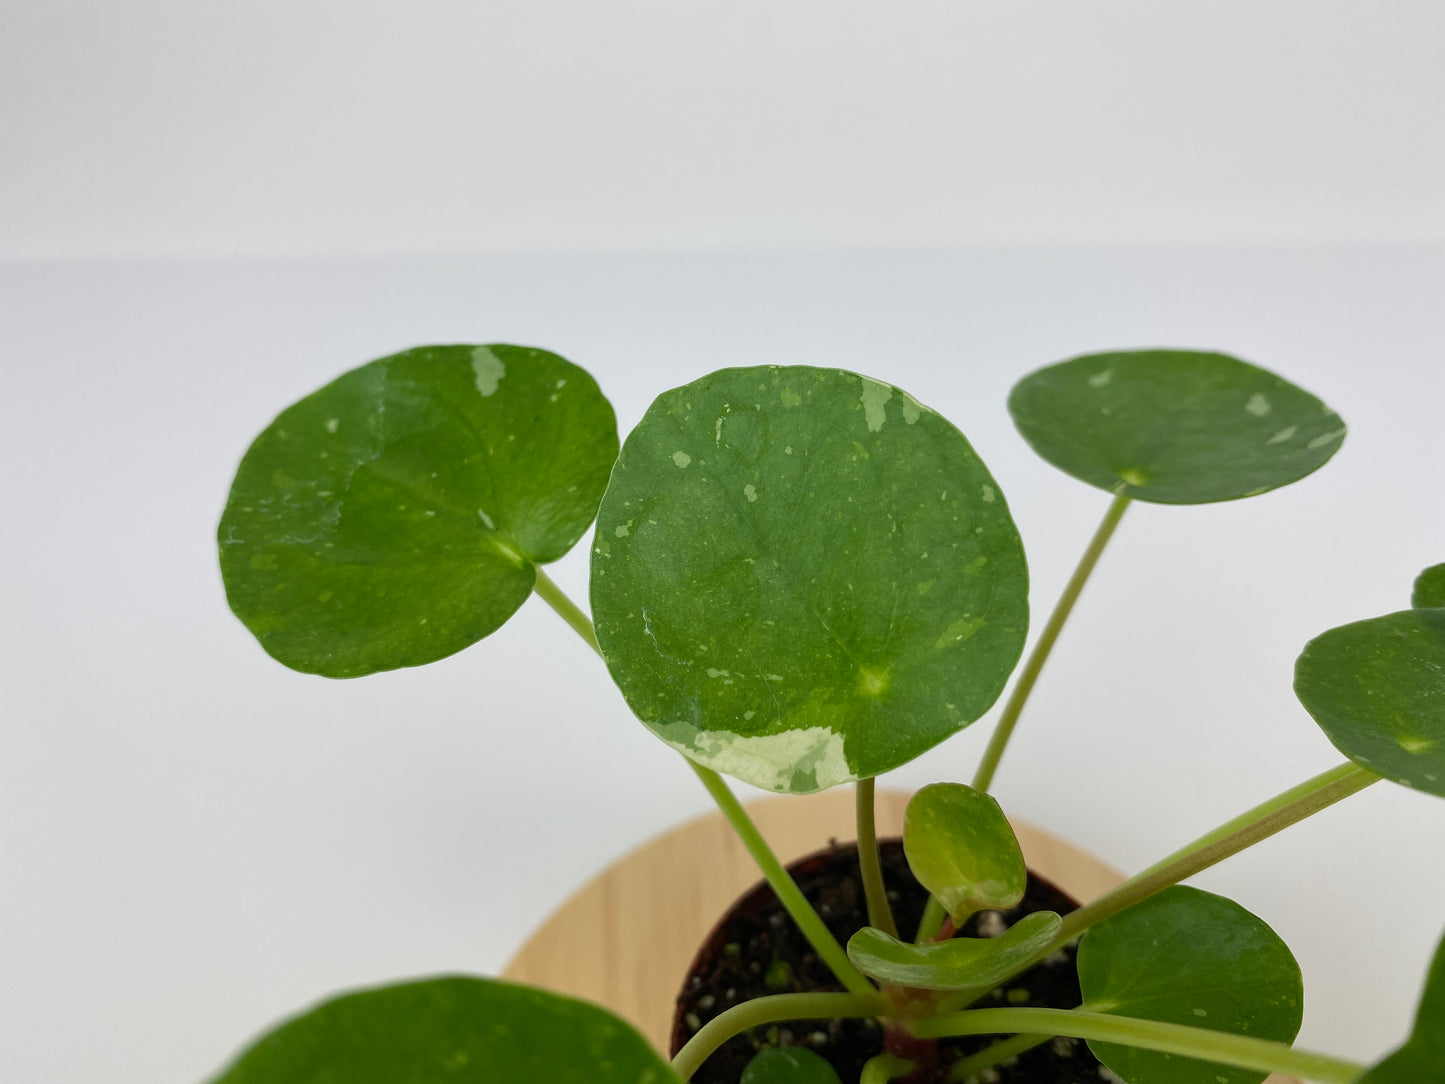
{"type": "Point", "coordinates": [803, 577]}
{"type": "Point", "coordinates": [1422, 1057]}
{"type": "Point", "coordinates": [1377, 689]}
{"type": "Point", "coordinates": [1429, 590]}
{"type": "Point", "coordinates": [1174, 426]}
{"type": "Point", "coordinates": [962, 849]}
{"type": "Point", "coordinates": [451, 1031]}
{"type": "Point", "coordinates": [1189, 957]}
{"type": "Point", "coordinates": [395, 516]}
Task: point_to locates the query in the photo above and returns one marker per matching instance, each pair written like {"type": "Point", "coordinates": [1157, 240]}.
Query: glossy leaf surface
{"type": "Point", "coordinates": [789, 1065]}
{"type": "Point", "coordinates": [1429, 589]}
{"type": "Point", "coordinates": [1189, 957]}
{"type": "Point", "coordinates": [1377, 689]}
{"type": "Point", "coordinates": [1174, 426]}
{"type": "Point", "coordinates": [1422, 1057]}
{"type": "Point", "coordinates": [395, 516]}
{"type": "Point", "coordinates": [960, 963]}
{"type": "Point", "coordinates": [803, 577]}
{"type": "Point", "coordinates": [451, 1031]}
{"type": "Point", "coordinates": [961, 848]}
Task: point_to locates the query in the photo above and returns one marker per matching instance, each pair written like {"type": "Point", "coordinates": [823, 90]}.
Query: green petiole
{"type": "Point", "coordinates": [990, 1056]}
{"type": "Point", "coordinates": [1259, 823]}
{"type": "Point", "coordinates": [1224, 1048]}
{"type": "Point", "coordinates": [1030, 673]}
{"type": "Point", "coordinates": [771, 1010]}
{"type": "Point", "coordinates": [788, 893]}
{"type": "Point", "coordinates": [783, 885]}
{"type": "Point", "coordinates": [566, 609]}
{"type": "Point", "coordinates": [880, 914]}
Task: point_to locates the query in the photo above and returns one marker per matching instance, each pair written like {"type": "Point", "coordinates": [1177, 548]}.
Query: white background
{"type": "Point", "coordinates": [175, 126]}
{"type": "Point", "coordinates": [209, 210]}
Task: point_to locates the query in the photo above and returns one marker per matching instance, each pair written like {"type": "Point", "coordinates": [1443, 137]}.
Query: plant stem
{"type": "Point", "coordinates": [880, 914]}
{"type": "Point", "coordinates": [990, 1056]}
{"type": "Point", "coordinates": [783, 885]}
{"type": "Point", "coordinates": [771, 1010]}
{"type": "Point", "coordinates": [1224, 1048]}
{"type": "Point", "coordinates": [1228, 839]}
{"type": "Point", "coordinates": [568, 610]}
{"type": "Point", "coordinates": [931, 922]}
{"type": "Point", "coordinates": [883, 1068]}
{"type": "Point", "coordinates": [792, 899]}
{"type": "Point", "coordinates": [1030, 673]}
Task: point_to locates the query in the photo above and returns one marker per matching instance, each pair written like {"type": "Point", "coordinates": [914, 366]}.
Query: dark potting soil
{"type": "Point", "coordinates": [758, 951]}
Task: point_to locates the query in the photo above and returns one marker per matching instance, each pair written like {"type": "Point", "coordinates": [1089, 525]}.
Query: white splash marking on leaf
{"type": "Point", "coordinates": [958, 631]}
{"type": "Point", "coordinates": [1258, 405]}
{"type": "Point", "coordinates": [623, 531]}
{"type": "Point", "coordinates": [912, 409]}
{"type": "Point", "coordinates": [750, 492]}
{"type": "Point", "coordinates": [988, 494]}
{"type": "Point", "coordinates": [332, 424]}
{"type": "Point", "coordinates": [682, 459]}
{"type": "Point", "coordinates": [1325, 438]}
{"type": "Point", "coordinates": [489, 370]}
{"type": "Point", "coordinates": [771, 761]}
{"type": "Point", "coordinates": [875, 397]}
{"type": "Point", "coordinates": [486, 519]}
{"type": "Point", "coordinates": [1098, 380]}
{"type": "Point", "coordinates": [1283, 435]}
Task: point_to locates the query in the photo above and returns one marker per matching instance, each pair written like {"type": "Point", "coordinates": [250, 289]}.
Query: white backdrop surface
{"type": "Point", "coordinates": [195, 841]}
{"type": "Point", "coordinates": [169, 126]}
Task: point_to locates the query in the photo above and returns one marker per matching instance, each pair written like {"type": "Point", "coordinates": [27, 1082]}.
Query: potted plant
{"type": "Point", "coordinates": [804, 578]}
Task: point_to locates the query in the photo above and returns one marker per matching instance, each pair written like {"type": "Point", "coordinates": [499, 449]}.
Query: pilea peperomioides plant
{"type": "Point", "coordinates": [804, 578]}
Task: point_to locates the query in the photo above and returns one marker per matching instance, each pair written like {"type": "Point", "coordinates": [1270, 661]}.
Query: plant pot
{"type": "Point", "coordinates": [627, 937]}
{"type": "Point", "coordinates": [754, 950]}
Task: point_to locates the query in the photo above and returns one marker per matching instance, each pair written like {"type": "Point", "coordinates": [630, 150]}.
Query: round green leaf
{"type": "Point", "coordinates": [451, 1031]}
{"type": "Point", "coordinates": [1189, 957]}
{"type": "Point", "coordinates": [1174, 426]}
{"type": "Point", "coordinates": [1429, 591]}
{"type": "Point", "coordinates": [789, 1065]}
{"type": "Point", "coordinates": [962, 849]}
{"type": "Point", "coordinates": [396, 516]}
{"type": "Point", "coordinates": [1422, 1057]}
{"type": "Point", "coordinates": [960, 963]}
{"type": "Point", "coordinates": [1377, 689]}
{"type": "Point", "coordinates": [803, 577]}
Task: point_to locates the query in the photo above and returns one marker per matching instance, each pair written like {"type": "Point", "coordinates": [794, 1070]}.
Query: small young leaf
{"type": "Point", "coordinates": [452, 1030]}
{"type": "Point", "coordinates": [803, 577]}
{"type": "Point", "coordinates": [1429, 589]}
{"type": "Point", "coordinates": [1422, 1057]}
{"type": "Point", "coordinates": [789, 1065]}
{"type": "Point", "coordinates": [960, 963]}
{"type": "Point", "coordinates": [1174, 426]}
{"type": "Point", "coordinates": [1377, 690]}
{"type": "Point", "coordinates": [1189, 957]}
{"type": "Point", "coordinates": [396, 516]}
{"type": "Point", "coordinates": [961, 848]}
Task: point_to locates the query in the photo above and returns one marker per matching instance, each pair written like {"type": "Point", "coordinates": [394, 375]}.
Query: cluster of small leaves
{"type": "Point", "coordinates": [800, 577]}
